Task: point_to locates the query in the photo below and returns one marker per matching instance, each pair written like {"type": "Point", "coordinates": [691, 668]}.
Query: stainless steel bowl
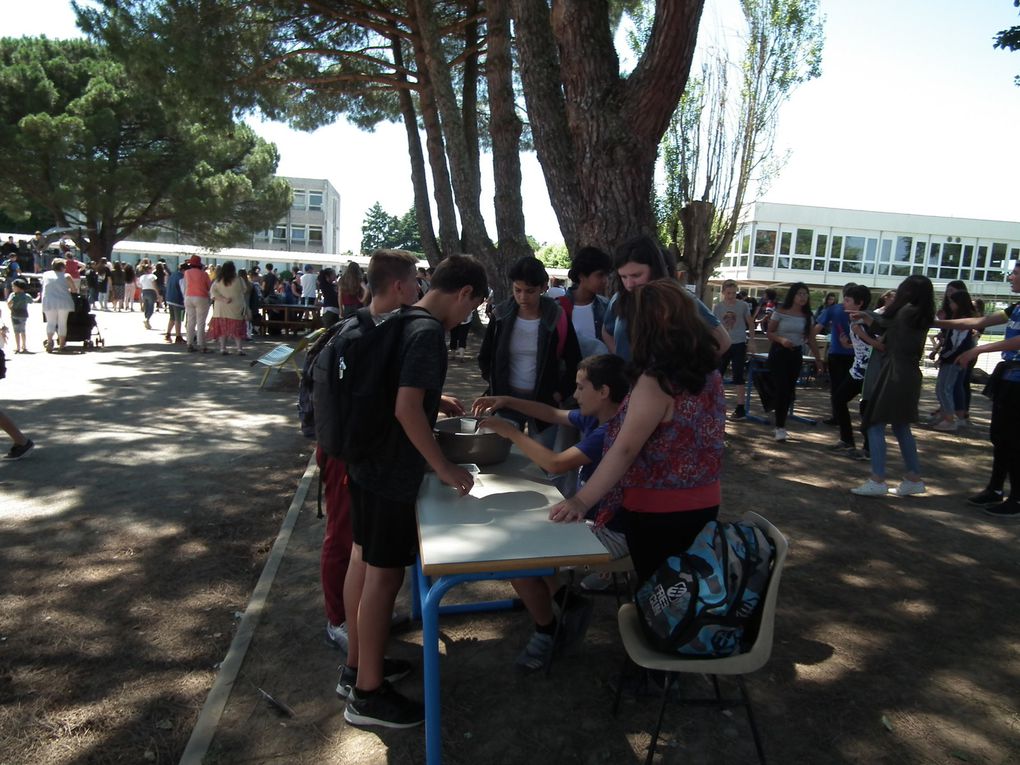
{"type": "Point", "coordinates": [462, 441]}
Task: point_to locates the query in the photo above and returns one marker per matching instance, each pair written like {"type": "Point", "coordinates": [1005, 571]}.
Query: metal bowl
{"type": "Point", "coordinates": [462, 441]}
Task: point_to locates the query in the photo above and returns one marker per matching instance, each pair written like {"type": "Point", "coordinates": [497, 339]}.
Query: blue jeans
{"type": "Point", "coordinates": [949, 375]}
{"type": "Point", "coordinates": [149, 301]}
{"type": "Point", "coordinates": [908, 448]}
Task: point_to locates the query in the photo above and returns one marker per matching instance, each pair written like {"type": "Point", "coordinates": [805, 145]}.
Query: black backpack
{"type": "Point", "coordinates": [354, 379]}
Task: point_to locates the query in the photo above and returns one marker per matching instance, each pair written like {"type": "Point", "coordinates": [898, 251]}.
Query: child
{"type": "Point", "coordinates": [18, 303]}
{"type": "Point", "coordinates": [383, 492]}
{"type": "Point", "coordinates": [735, 316]}
{"type": "Point", "coordinates": [601, 388]}
{"type": "Point", "coordinates": [530, 350]}
{"type": "Point", "coordinates": [855, 298]}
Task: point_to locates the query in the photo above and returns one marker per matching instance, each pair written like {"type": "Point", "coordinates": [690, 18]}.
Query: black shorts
{"type": "Point", "coordinates": [386, 530]}
{"type": "Point", "coordinates": [653, 537]}
{"type": "Point", "coordinates": [736, 355]}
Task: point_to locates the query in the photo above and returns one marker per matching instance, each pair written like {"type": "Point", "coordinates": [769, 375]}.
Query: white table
{"type": "Point", "coordinates": [500, 530]}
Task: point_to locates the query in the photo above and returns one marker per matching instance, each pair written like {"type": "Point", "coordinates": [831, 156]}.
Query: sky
{"type": "Point", "coordinates": [914, 112]}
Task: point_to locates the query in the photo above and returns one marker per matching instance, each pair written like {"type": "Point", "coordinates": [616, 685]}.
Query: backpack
{"type": "Point", "coordinates": [700, 603]}
{"type": "Point", "coordinates": [354, 379]}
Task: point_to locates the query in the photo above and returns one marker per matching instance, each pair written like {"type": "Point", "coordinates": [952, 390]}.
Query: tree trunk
{"type": "Point", "coordinates": [466, 188]}
{"type": "Point", "coordinates": [419, 182]}
{"type": "Point", "coordinates": [446, 209]}
{"type": "Point", "coordinates": [612, 126]}
{"type": "Point", "coordinates": [539, 65]}
{"type": "Point", "coordinates": [469, 91]}
{"type": "Point", "coordinates": [505, 130]}
{"type": "Point", "coordinates": [697, 220]}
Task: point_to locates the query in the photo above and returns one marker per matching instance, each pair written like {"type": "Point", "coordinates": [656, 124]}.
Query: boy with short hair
{"type": "Point", "coordinates": [856, 297]}
{"type": "Point", "coordinates": [735, 316]}
{"type": "Point", "coordinates": [18, 303]}
{"type": "Point", "coordinates": [585, 301]}
{"type": "Point", "coordinates": [601, 387]}
{"type": "Point", "coordinates": [384, 491]}
{"type": "Point", "coordinates": [530, 350]}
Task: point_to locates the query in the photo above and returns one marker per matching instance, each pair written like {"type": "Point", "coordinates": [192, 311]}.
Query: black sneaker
{"type": "Point", "coordinates": [739, 414]}
{"type": "Point", "coordinates": [986, 498]}
{"type": "Point", "coordinates": [19, 450]}
{"type": "Point", "coordinates": [394, 670]}
{"type": "Point", "coordinates": [383, 707]}
{"type": "Point", "coordinates": [1008, 510]}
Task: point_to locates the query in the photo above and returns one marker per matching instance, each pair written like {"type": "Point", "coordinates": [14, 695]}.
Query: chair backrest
{"type": "Point", "coordinates": [762, 648]}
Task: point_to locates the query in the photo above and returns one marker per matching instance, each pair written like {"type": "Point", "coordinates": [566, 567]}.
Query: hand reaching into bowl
{"type": "Point", "coordinates": [488, 404]}
{"type": "Point", "coordinates": [498, 426]}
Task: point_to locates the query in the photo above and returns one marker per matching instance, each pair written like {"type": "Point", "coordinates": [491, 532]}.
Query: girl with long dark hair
{"type": "Point", "coordinates": [229, 307]}
{"type": "Point", "coordinates": [789, 330]}
{"type": "Point", "coordinates": [663, 451]}
{"type": "Point", "coordinates": [897, 388]}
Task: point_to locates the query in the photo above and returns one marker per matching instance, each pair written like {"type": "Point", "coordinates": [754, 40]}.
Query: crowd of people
{"type": "Point", "coordinates": [636, 375]}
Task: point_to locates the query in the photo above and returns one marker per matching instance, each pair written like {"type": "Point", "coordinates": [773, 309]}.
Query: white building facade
{"type": "Point", "coordinates": [312, 225]}
{"type": "Point", "coordinates": [827, 247]}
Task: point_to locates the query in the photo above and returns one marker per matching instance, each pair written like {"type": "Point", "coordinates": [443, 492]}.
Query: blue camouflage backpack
{"type": "Point", "coordinates": [699, 603]}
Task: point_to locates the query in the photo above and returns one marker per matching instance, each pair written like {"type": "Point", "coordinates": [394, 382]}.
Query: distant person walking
{"type": "Point", "coordinates": [196, 304]}
{"type": "Point", "coordinates": [57, 303]}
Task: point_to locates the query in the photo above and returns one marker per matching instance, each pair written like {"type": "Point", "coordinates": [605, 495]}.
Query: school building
{"type": "Point", "coordinates": [825, 247]}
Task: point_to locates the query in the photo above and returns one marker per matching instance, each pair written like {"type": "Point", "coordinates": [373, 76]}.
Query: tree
{"type": "Point", "coordinates": [721, 138]}
{"type": "Point", "coordinates": [1009, 39]}
{"type": "Point", "coordinates": [379, 229]}
{"type": "Point", "coordinates": [107, 157]}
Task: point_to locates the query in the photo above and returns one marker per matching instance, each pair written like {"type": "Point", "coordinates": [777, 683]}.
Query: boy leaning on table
{"type": "Point", "coordinates": [601, 387]}
{"type": "Point", "coordinates": [383, 492]}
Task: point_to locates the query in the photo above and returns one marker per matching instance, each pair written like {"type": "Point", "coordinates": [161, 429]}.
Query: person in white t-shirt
{"type": "Point", "coordinates": [555, 290]}
{"type": "Point", "coordinates": [307, 284]}
{"type": "Point", "coordinates": [147, 283]}
{"type": "Point", "coordinates": [530, 349]}
{"type": "Point", "coordinates": [585, 301]}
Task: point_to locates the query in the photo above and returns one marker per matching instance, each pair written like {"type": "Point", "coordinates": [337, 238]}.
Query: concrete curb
{"type": "Point", "coordinates": [209, 718]}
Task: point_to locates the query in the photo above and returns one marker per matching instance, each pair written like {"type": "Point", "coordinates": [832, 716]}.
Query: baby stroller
{"type": "Point", "coordinates": [81, 323]}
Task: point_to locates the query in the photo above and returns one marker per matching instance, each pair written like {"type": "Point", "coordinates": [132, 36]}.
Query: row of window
{"type": "Point", "coordinates": [893, 256]}
{"type": "Point", "coordinates": [306, 200]}
{"type": "Point", "coordinates": [297, 234]}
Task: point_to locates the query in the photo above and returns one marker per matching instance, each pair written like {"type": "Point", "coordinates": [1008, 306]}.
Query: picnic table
{"type": "Point", "coordinates": [500, 530]}
{"type": "Point", "coordinates": [288, 317]}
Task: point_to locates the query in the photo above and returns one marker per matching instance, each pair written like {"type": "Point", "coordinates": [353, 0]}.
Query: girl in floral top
{"type": "Point", "coordinates": [663, 451]}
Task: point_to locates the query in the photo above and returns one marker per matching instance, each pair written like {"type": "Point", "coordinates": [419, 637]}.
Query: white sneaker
{"type": "Point", "coordinates": [907, 488]}
{"type": "Point", "coordinates": [336, 635]}
{"type": "Point", "coordinates": [870, 489]}
{"type": "Point", "coordinates": [780, 434]}
{"type": "Point", "coordinates": [946, 426]}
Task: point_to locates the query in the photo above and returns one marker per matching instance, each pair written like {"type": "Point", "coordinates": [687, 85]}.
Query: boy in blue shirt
{"type": "Point", "coordinates": [601, 388]}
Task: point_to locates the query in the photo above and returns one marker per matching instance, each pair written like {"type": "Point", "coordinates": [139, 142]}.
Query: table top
{"type": "Point", "coordinates": [502, 525]}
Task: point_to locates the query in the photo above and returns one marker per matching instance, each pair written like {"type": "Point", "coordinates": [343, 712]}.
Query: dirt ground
{"type": "Point", "coordinates": [896, 626]}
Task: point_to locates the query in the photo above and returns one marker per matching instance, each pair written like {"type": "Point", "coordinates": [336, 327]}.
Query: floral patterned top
{"type": "Point", "coordinates": [680, 464]}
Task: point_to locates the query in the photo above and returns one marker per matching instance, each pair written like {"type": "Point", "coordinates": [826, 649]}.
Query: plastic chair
{"type": "Point", "coordinates": [641, 653]}
{"type": "Point", "coordinates": [278, 357]}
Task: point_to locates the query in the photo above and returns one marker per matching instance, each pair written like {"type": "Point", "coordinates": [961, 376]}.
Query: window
{"type": "Point", "coordinates": [300, 200]}
{"type": "Point", "coordinates": [280, 233]}
{"type": "Point", "coordinates": [1014, 254]}
{"type": "Point", "coordinates": [784, 262]}
{"type": "Point", "coordinates": [854, 249]}
{"type": "Point", "coordinates": [903, 245]}
{"type": "Point", "coordinates": [919, 249]}
{"type": "Point", "coordinates": [837, 248]}
{"type": "Point", "coordinates": [803, 246]}
{"type": "Point", "coordinates": [968, 256]}
{"type": "Point", "coordinates": [950, 266]}
{"type": "Point", "coordinates": [314, 200]}
{"type": "Point", "coordinates": [786, 243]}
{"type": "Point", "coordinates": [297, 234]}
{"type": "Point", "coordinates": [745, 244]}
{"type": "Point", "coordinates": [998, 256]}
{"type": "Point", "coordinates": [820, 245]}
{"type": "Point", "coordinates": [933, 259]}
{"type": "Point", "coordinates": [263, 236]}
{"type": "Point", "coordinates": [764, 261]}
{"type": "Point", "coordinates": [315, 235]}
{"type": "Point", "coordinates": [982, 256]}
{"type": "Point", "coordinates": [886, 251]}
{"type": "Point", "coordinates": [765, 243]}
{"type": "Point", "coordinates": [804, 264]}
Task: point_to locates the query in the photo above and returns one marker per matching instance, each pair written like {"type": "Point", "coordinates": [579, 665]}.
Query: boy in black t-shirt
{"type": "Point", "coordinates": [383, 494]}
